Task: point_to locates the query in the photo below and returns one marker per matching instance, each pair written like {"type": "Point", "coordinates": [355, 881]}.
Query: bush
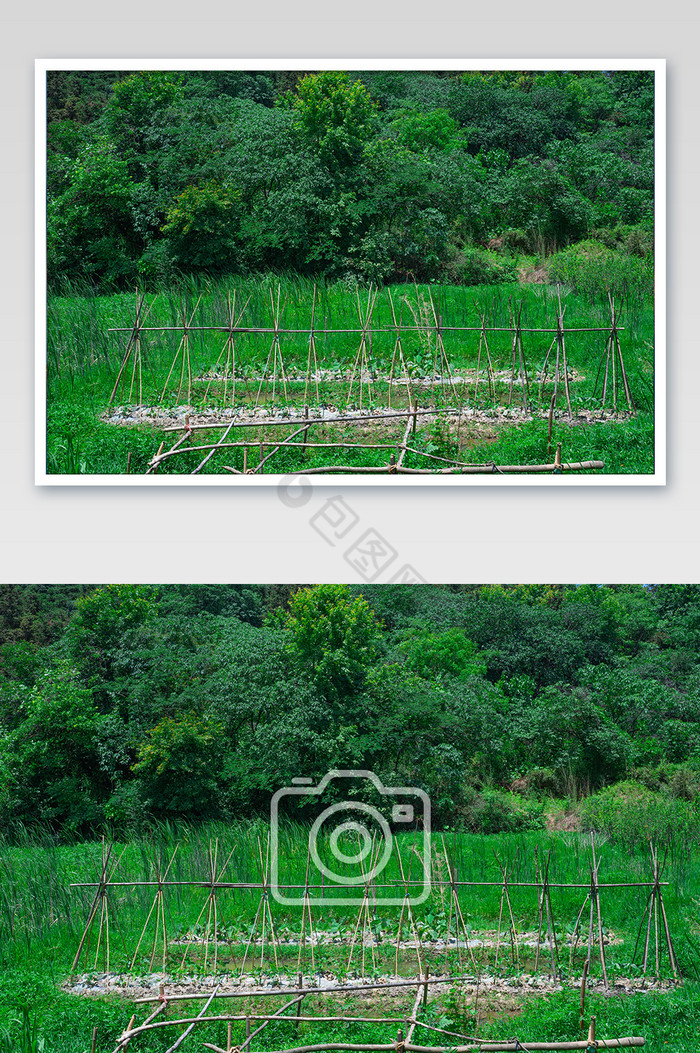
{"type": "Point", "coordinates": [496, 812]}
{"type": "Point", "coordinates": [592, 269]}
{"type": "Point", "coordinates": [638, 241]}
{"type": "Point", "coordinates": [631, 815]}
{"type": "Point", "coordinates": [481, 267]}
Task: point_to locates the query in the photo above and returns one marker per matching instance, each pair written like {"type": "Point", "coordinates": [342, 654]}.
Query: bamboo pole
{"type": "Point", "coordinates": [583, 994]}
{"type": "Point", "coordinates": [129, 1033]}
{"type": "Point", "coordinates": [100, 891]}
{"type": "Point", "coordinates": [596, 894]}
{"type": "Point", "coordinates": [135, 331]}
{"type": "Point", "coordinates": [257, 330]}
{"type": "Point", "coordinates": [289, 421]}
{"type": "Point", "coordinates": [490, 469]}
{"type": "Point", "coordinates": [199, 1017]}
{"type": "Point", "coordinates": [414, 1012]}
{"type": "Point", "coordinates": [560, 335]}
{"type": "Point", "coordinates": [460, 884]}
{"type": "Point", "coordinates": [512, 1046]}
{"type": "Point", "coordinates": [273, 1016]}
{"type": "Point", "coordinates": [403, 446]}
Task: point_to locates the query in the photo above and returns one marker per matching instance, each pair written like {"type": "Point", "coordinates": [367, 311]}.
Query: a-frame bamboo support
{"type": "Point", "coordinates": [263, 915]}
{"type": "Point", "coordinates": [99, 904]}
{"type": "Point", "coordinates": [505, 900]}
{"type": "Point", "coordinates": [183, 355]}
{"type": "Point", "coordinates": [518, 365]}
{"type": "Point", "coordinates": [362, 366]}
{"type": "Point", "coordinates": [653, 912]}
{"type": "Point", "coordinates": [490, 376]}
{"type": "Point", "coordinates": [312, 357]}
{"type": "Point", "coordinates": [613, 360]}
{"type": "Point", "coordinates": [229, 351]}
{"type": "Point", "coordinates": [133, 351]}
{"type": "Point", "coordinates": [160, 927]}
{"type": "Point", "coordinates": [274, 358]}
{"type": "Point", "coordinates": [545, 915]}
{"type": "Point", "coordinates": [398, 350]}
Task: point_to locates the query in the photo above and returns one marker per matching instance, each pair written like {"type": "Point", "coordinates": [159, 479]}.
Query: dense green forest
{"type": "Point", "coordinates": [125, 703]}
{"type": "Point", "coordinates": [381, 175]}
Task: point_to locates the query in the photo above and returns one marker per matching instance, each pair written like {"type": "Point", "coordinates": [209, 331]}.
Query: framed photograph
{"type": "Point", "coordinates": [370, 272]}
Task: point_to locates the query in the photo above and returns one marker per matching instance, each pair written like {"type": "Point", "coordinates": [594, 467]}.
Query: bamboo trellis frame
{"type": "Point", "coordinates": [427, 324]}
{"type": "Point", "coordinates": [214, 885]}
{"type": "Point", "coordinates": [411, 1021]}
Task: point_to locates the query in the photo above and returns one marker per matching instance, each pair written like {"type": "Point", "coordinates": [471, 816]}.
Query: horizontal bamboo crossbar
{"type": "Point", "coordinates": [265, 887]}
{"type": "Point", "coordinates": [472, 469]}
{"type": "Point", "coordinates": [482, 1047]}
{"type": "Point", "coordinates": [286, 991]}
{"type": "Point", "coordinates": [271, 331]}
{"type": "Point", "coordinates": [291, 421]}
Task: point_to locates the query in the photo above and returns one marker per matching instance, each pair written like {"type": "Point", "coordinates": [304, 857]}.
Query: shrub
{"type": "Point", "coordinates": [496, 812]}
{"type": "Point", "coordinates": [517, 240]}
{"type": "Point", "coordinates": [638, 241]}
{"type": "Point", "coordinates": [593, 270]}
{"type": "Point", "coordinates": [631, 815]}
{"type": "Point", "coordinates": [481, 267]}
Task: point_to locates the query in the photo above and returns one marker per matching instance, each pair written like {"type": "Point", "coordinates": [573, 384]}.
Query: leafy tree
{"type": "Point", "coordinates": [179, 767]}
{"type": "Point", "coordinates": [102, 619]}
{"type": "Point", "coordinates": [334, 115]}
{"type": "Point", "coordinates": [50, 755]}
{"type": "Point", "coordinates": [201, 228]}
{"type": "Point", "coordinates": [136, 111]}
{"type": "Point", "coordinates": [449, 653]}
{"type": "Point", "coordinates": [333, 636]}
{"type": "Point", "coordinates": [90, 232]}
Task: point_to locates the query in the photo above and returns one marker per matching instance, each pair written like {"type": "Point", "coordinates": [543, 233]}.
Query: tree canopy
{"type": "Point", "coordinates": [378, 174]}
{"type": "Point", "coordinates": [129, 702]}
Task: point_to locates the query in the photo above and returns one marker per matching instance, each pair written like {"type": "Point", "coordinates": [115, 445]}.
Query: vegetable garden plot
{"type": "Point", "coordinates": [375, 959]}
{"type": "Point", "coordinates": [397, 368]}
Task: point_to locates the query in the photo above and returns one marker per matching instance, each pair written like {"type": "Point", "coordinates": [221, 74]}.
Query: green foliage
{"type": "Point", "coordinates": [29, 1041]}
{"type": "Point", "coordinates": [432, 655]}
{"type": "Point", "coordinates": [631, 815]}
{"type": "Point", "coordinates": [90, 233]}
{"type": "Point", "coordinates": [179, 766]}
{"type": "Point", "coordinates": [482, 267]}
{"type": "Point", "coordinates": [201, 228]}
{"type": "Point", "coordinates": [103, 617]}
{"type": "Point", "coordinates": [169, 700]}
{"type": "Point", "coordinates": [593, 270]}
{"type": "Point", "coordinates": [376, 174]}
{"type": "Point", "coordinates": [47, 762]}
{"type": "Point", "coordinates": [495, 812]}
{"type": "Point", "coordinates": [334, 636]}
{"type": "Point", "coordinates": [335, 115]}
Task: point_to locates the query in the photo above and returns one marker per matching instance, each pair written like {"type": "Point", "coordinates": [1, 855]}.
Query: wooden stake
{"type": "Point", "coordinates": [583, 993]}
{"type": "Point", "coordinates": [549, 429]}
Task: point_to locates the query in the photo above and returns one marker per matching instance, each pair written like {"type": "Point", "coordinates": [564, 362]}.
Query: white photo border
{"type": "Point", "coordinates": [658, 66]}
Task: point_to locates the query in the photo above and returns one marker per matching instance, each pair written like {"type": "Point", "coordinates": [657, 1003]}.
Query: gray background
{"type": "Point", "coordinates": [216, 534]}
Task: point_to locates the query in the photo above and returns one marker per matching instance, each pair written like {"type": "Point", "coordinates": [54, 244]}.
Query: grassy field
{"type": "Point", "coordinates": [42, 920]}
{"type": "Point", "coordinates": [84, 360]}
